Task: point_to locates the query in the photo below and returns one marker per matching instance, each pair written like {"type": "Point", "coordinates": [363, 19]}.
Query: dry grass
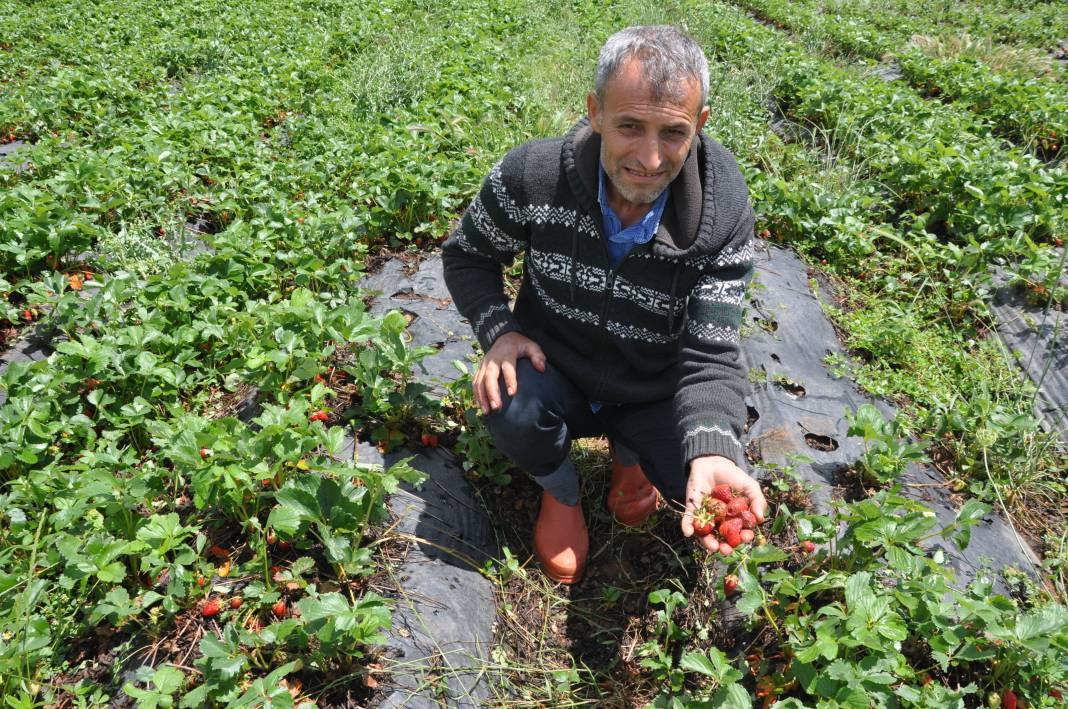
{"type": "Point", "coordinates": [999, 57]}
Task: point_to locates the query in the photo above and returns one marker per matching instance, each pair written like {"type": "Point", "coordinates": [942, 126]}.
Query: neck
{"type": "Point", "coordinates": [629, 213]}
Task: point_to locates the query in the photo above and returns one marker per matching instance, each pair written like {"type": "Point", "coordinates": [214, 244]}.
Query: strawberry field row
{"type": "Point", "coordinates": [129, 503]}
{"type": "Point", "coordinates": [945, 174]}
{"type": "Point", "coordinates": [1039, 25]}
{"type": "Point", "coordinates": [1018, 106]}
{"type": "Point", "coordinates": [128, 152]}
{"type": "Point", "coordinates": [133, 500]}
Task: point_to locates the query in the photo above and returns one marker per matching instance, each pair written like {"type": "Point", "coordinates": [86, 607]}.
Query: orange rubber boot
{"type": "Point", "coordinates": [631, 497]}
{"type": "Point", "coordinates": [561, 541]}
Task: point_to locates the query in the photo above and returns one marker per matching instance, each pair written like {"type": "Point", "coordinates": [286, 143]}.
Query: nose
{"type": "Point", "coordinates": [649, 154]}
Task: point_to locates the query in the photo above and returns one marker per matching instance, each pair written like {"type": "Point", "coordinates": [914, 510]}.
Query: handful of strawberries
{"type": "Point", "coordinates": [726, 514]}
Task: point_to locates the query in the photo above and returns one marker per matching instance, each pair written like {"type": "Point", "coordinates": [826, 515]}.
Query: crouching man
{"type": "Point", "coordinates": [637, 231]}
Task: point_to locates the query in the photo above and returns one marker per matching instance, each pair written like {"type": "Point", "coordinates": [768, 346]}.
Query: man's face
{"type": "Point", "coordinates": [644, 142]}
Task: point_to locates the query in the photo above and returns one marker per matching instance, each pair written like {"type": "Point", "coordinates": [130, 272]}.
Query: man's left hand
{"type": "Point", "coordinates": [705, 473]}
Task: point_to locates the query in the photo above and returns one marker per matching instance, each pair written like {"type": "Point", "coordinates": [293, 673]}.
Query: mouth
{"type": "Point", "coordinates": [643, 176]}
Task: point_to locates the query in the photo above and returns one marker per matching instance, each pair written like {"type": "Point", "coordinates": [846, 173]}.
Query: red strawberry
{"type": "Point", "coordinates": [730, 584]}
{"type": "Point", "coordinates": [717, 510]}
{"type": "Point", "coordinates": [425, 439]}
{"type": "Point", "coordinates": [808, 546]}
{"type": "Point", "coordinates": [319, 416]}
{"type": "Point", "coordinates": [236, 602]}
{"type": "Point", "coordinates": [1008, 699]}
{"type": "Point", "coordinates": [200, 582]}
{"type": "Point", "coordinates": [284, 545]}
{"type": "Point", "coordinates": [210, 608]}
{"type": "Point", "coordinates": [204, 452]}
{"type": "Point", "coordinates": [279, 609]}
{"type": "Point", "coordinates": [219, 552]}
{"type": "Point", "coordinates": [272, 537]}
{"type": "Point", "coordinates": [702, 529]}
{"type": "Point", "coordinates": [737, 506]}
{"type": "Point", "coordinates": [723, 493]}
{"type": "Point", "coordinates": [27, 314]}
{"type": "Point", "coordinates": [433, 440]}
{"type": "Point", "coordinates": [748, 519]}
{"type": "Point", "coordinates": [1056, 693]}
{"type": "Point", "coordinates": [730, 530]}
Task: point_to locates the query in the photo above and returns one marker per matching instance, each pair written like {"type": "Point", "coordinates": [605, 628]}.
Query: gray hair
{"type": "Point", "coordinates": [668, 56]}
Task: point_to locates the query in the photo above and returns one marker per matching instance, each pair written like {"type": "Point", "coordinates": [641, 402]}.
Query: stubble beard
{"type": "Point", "coordinates": [637, 195]}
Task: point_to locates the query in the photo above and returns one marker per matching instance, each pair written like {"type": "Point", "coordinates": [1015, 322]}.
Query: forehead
{"type": "Point", "coordinates": [629, 90]}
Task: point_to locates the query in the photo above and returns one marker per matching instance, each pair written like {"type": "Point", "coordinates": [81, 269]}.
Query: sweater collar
{"type": "Point", "coordinates": [683, 222]}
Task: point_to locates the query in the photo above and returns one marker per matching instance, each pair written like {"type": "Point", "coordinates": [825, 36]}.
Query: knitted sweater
{"type": "Point", "coordinates": [663, 323]}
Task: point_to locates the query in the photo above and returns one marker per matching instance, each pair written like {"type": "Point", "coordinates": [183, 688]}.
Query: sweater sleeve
{"type": "Point", "coordinates": [710, 400]}
{"type": "Point", "coordinates": [491, 233]}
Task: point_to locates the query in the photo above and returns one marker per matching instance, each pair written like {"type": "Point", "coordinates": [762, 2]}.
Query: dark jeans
{"type": "Point", "coordinates": [536, 426]}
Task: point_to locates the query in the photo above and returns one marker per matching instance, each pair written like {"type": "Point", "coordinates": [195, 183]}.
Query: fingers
{"type": "Point", "coordinates": [757, 504]}
{"type": "Point", "coordinates": [712, 544]}
{"type": "Point", "coordinates": [487, 390]}
{"type": "Point", "coordinates": [687, 522]}
{"type": "Point", "coordinates": [510, 382]}
{"type": "Point", "coordinates": [536, 356]}
{"type": "Point", "coordinates": [476, 388]}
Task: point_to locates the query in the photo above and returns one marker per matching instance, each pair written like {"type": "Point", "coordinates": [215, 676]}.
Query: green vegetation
{"type": "Point", "coordinates": [205, 186]}
{"type": "Point", "coordinates": [1002, 88]}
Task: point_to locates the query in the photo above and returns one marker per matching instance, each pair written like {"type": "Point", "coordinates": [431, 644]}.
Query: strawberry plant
{"type": "Point", "coordinates": [875, 619]}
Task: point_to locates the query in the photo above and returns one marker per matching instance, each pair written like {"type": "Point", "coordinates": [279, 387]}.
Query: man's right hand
{"type": "Point", "coordinates": [502, 357]}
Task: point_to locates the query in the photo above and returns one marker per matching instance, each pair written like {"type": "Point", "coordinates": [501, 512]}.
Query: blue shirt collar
{"type": "Point", "coordinates": [638, 233]}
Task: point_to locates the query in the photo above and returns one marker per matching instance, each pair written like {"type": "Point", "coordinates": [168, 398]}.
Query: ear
{"type": "Point", "coordinates": [593, 111]}
{"type": "Point", "coordinates": [701, 118]}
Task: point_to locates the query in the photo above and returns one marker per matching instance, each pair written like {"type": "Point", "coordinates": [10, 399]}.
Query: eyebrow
{"type": "Point", "coordinates": [627, 118]}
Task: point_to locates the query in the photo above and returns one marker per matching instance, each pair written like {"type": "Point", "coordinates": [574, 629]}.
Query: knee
{"type": "Point", "coordinates": [528, 410]}
{"type": "Point", "coordinates": [667, 474]}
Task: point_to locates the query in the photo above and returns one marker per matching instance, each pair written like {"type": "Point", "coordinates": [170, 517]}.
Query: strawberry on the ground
{"type": "Point", "coordinates": [279, 609]}
{"type": "Point", "coordinates": [210, 608]}
{"type": "Point", "coordinates": [236, 602]}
